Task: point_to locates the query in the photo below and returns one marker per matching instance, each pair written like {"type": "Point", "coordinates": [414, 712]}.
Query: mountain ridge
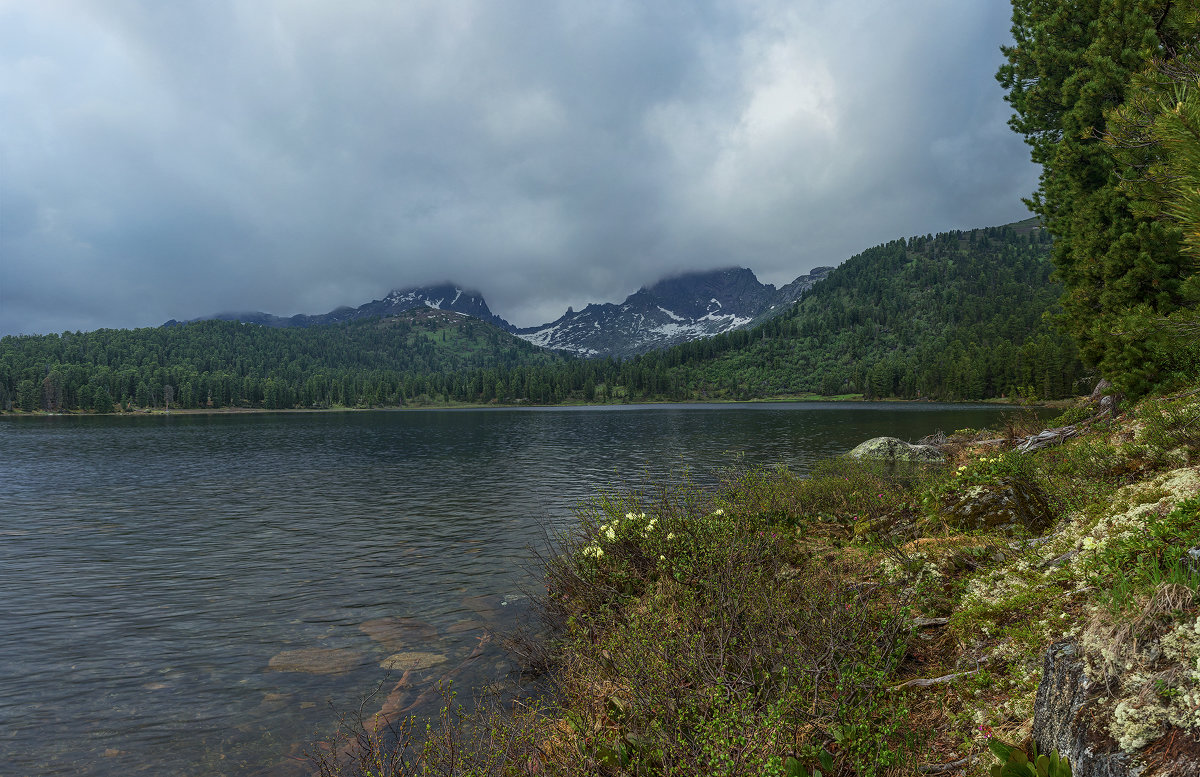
{"type": "Point", "coordinates": [672, 310]}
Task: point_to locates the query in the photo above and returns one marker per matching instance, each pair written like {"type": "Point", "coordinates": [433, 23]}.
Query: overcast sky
{"type": "Point", "coordinates": [175, 159]}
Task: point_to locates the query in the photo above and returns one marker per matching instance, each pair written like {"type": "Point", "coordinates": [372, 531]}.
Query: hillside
{"type": "Point", "coordinates": [380, 361]}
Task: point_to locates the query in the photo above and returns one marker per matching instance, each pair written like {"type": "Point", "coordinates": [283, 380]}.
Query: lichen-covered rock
{"type": "Point", "coordinates": [895, 449]}
{"type": "Point", "coordinates": [1122, 724]}
{"type": "Point", "coordinates": [1009, 505]}
{"type": "Point", "coordinates": [1067, 718]}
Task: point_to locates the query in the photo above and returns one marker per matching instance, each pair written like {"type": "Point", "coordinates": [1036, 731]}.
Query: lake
{"type": "Point", "coordinates": [162, 578]}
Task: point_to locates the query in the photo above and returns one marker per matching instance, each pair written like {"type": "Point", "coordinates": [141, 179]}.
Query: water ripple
{"type": "Point", "coordinates": [151, 567]}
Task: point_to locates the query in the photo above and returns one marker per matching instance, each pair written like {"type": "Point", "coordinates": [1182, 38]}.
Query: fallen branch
{"type": "Point", "coordinates": [436, 688]}
{"type": "Point", "coordinates": [922, 623]}
{"type": "Point", "coordinates": [946, 767]}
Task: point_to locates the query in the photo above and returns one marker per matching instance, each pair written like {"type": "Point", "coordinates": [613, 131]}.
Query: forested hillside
{"type": "Point", "coordinates": [960, 315]}
{"type": "Point", "coordinates": [387, 361]}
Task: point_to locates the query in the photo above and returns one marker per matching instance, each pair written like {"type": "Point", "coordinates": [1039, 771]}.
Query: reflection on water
{"type": "Point", "coordinates": [187, 595]}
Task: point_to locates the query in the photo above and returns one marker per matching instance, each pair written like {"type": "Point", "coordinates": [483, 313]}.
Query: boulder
{"type": "Point", "coordinates": [895, 449]}
{"type": "Point", "coordinates": [1010, 505]}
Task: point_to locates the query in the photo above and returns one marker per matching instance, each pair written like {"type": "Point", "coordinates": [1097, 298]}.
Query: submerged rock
{"type": "Point", "coordinates": [397, 633]}
{"type": "Point", "coordinates": [413, 660]}
{"type": "Point", "coordinates": [315, 661]}
{"type": "Point", "coordinates": [895, 449]}
{"type": "Point", "coordinates": [1009, 505]}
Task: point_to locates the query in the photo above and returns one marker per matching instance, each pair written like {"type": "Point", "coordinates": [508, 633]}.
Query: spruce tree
{"type": "Point", "coordinates": [1070, 67]}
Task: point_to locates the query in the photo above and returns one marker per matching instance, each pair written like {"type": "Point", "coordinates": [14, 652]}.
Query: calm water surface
{"type": "Point", "coordinates": [151, 568]}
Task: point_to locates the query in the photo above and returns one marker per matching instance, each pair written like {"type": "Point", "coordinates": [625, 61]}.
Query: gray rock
{"type": "Point", "coordinates": [895, 449]}
{"type": "Point", "coordinates": [1067, 718]}
{"type": "Point", "coordinates": [1009, 505]}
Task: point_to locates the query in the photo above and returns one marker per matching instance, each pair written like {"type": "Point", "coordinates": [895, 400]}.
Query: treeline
{"type": "Point", "coordinates": [376, 362]}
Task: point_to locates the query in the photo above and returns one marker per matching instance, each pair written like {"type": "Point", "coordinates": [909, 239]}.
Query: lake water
{"type": "Point", "coordinates": [152, 567]}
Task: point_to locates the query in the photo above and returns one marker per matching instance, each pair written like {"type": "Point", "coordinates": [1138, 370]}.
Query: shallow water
{"type": "Point", "coordinates": [151, 568]}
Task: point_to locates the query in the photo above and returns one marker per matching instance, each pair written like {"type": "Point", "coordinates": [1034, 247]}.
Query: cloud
{"type": "Point", "coordinates": [173, 160]}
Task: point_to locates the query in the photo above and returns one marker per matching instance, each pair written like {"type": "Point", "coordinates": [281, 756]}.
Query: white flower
{"type": "Point", "coordinates": [718, 511]}
{"type": "Point", "coordinates": [671, 535]}
{"type": "Point", "coordinates": [610, 533]}
{"type": "Point", "coordinates": [595, 551]}
{"type": "Point", "coordinates": [662, 558]}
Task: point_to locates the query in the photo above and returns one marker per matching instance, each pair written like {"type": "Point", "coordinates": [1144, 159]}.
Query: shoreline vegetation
{"type": "Point", "coordinates": [875, 617]}
{"type": "Point", "coordinates": [1014, 402]}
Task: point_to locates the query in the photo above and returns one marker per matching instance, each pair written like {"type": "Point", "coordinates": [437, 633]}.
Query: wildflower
{"type": "Point", "coordinates": [718, 511]}
{"type": "Point", "coordinates": [595, 551]}
{"type": "Point", "coordinates": [671, 535]}
{"type": "Point", "coordinates": [662, 558]}
{"type": "Point", "coordinates": [610, 533]}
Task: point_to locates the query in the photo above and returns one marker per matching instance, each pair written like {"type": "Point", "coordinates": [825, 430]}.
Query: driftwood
{"type": "Point", "coordinates": [1046, 438]}
{"type": "Point", "coordinates": [397, 704]}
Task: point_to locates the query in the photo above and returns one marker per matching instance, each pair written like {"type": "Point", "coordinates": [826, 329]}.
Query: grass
{"type": "Point", "coordinates": [764, 627]}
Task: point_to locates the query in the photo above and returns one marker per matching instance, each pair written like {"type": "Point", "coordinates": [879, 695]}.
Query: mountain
{"type": "Point", "coordinates": [445, 296]}
{"type": "Point", "coordinates": [672, 311]}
